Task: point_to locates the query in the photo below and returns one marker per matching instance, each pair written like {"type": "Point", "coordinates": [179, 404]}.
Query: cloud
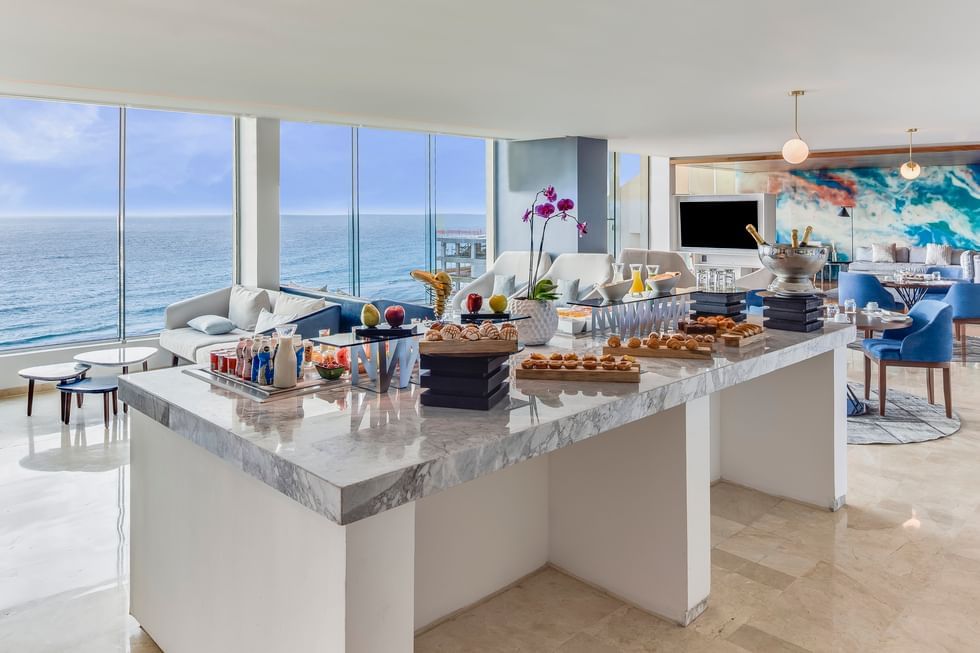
{"type": "Point", "coordinates": [55, 133]}
{"type": "Point", "coordinates": [11, 194]}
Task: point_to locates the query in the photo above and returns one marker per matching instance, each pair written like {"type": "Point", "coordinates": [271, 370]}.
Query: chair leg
{"type": "Point", "coordinates": [67, 407]}
{"type": "Point", "coordinates": [882, 386]}
{"type": "Point", "coordinates": [867, 378]}
{"type": "Point", "coordinates": [30, 396]}
{"type": "Point", "coordinates": [115, 403]}
{"type": "Point", "coordinates": [930, 390]}
{"type": "Point", "coordinates": [78, 398]}
{"type": "Point", "coordinates": [105, 408]}
{"type": "Point", "coordinates": [947, 393]}
{"type": "Point", "coordinates": [61, 398]}
{"type": "Point", "coordinates": [175, 361]}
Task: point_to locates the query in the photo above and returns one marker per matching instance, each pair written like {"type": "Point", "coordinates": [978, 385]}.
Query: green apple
{"type": "Point", "coordinates": [498, 303]}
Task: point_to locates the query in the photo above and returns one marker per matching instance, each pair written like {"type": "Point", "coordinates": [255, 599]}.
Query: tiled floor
{"type": "Point", "coordinates": [897, 570]}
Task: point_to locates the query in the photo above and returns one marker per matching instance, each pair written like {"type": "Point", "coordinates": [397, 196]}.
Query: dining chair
{"type": "Point", "coordinates": [927, 342]}
{"type": "Point", "coordinates": [864, 288]}
{"type": "Point", "coordinates": [964, 298]}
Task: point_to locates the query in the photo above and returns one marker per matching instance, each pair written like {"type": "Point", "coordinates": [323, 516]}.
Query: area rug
{"type": "Point", "coordinates": [972, 350]}
{"type": "Point", "coordinates": [908, 418]}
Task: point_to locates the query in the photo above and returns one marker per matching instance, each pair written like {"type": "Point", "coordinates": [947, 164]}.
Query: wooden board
{"type": "Point", "coordinates": [467, 347]}
{"type": "Point", "coordinates": [701, 353]}
{"type": "Point", "coordinates": [580, 374]}
{"type": "Point", "coordinates": [733, 340]}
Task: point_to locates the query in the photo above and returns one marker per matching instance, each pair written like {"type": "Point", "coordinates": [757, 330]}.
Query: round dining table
{"type": "Point", "coordinates": [911, 291]}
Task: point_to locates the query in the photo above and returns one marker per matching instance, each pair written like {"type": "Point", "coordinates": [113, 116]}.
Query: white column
{"type": "Point", "coordinates": [785, 433]}
{"type": "Point", "coordinates": [221, 562]}
{"type": "Point", "coordinates": [258, 201]}
{"type": "Point", "coordinates": [661, 201]}
{"type": "Point", "coordinates": [629, 512]}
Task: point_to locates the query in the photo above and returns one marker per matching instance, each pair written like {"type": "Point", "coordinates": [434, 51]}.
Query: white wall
{"type": "Point", "coordinates": [661, 190]}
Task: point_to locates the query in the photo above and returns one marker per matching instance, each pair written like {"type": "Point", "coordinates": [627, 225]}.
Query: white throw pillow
{"type": "Point", "coordinates": [504, 284]}
{"type": "Point", "coordinates": [883, 253]}
{"type": "Point", "coordinates": [938, 254]}
{"type": "Point", "coordinates": [567, 291]}
{"type": "Point", "coordinates": [213, 325]}
{"type": "Point", "coordinates": [245, 304]}
{"type": "Point", "coordinates": [268, 320]}
{"type": "Point", "coordinates": [296, 305]}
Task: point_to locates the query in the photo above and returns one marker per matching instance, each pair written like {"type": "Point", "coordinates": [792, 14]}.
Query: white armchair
{"type": "Point", "coordinates": [589, 269]}
{"type": "Point", "coordinates": [758, 280]}
{"type": "Point", "coordinates": [508, 263]}
{"type": "Point", "coordinates": [668, 262]}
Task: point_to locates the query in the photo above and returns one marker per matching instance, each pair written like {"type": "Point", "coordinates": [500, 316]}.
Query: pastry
{"type": "Point", "coordinates": [571, 357]}
{"type": "Point", "coordinates": [571, 365]}
{"type": "Point", "coordinates": [608, 365]}
{"type": "Point", "coordinates": [527, 363]}
{"type": "Point", "coordinates": [489, 331]}
{"type": "Point", "coordinates": [709, 338]}
{"type": "Point", "coordinates": [633, 343]}
{"type": "Point", "coordinates": [540, 365]}
{"type": "Point", "coordinates": [507, 324]}
{"type": "Point", "coordinates": [433, 336]}
{"type": "Point", "coordinates": [628, 359]}
{"type": "Point", "coordinates": [691, 344]}
{"type": "Point", "coordinates": [624, 365]}
{"type": "Point", "coordinates": [607, 358]}
{"type": "Point", "coordinates": [555, 365]}
{"type": "Point", "coordinates": [470, 332]}
{"type": "Point", "coordinates": [614, 341]}
{"type": "Point", "coordinates": [589, 357]}
{"type": "Point", "coordinates": [435, 326]}
{"type": "Point", "coordinates": [699, 338]}
{"type": "Point", "coordinates": [538, 357]}
{"type": "Point", "coordinates": [674, 344]}
{"type": "Point", "coordinates": [508, 332]}
{"type": "Point", "coordinates": [556, 357]}
{"type": "Point", "coordinates": [450, 331]}
{"type": "Point", "coordinates": [590, 363]}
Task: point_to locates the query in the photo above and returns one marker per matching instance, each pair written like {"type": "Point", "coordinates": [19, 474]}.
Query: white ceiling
{"type": "Point", "coordinates": [680, 77]}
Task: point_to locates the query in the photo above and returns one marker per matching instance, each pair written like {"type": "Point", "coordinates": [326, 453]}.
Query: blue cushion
{"type": "Point", "coordinates": [889, 350]}
{"type": "Point", "coordinates": [213, 325]}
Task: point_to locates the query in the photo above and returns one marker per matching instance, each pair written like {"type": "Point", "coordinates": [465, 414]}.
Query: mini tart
{"type": "Point", "coordinates": [633, 343]}
{"type": "Point", "coordinates": [527, 363]}
{"type": "Point", "coordinates": [536, 356]}
{"type": "Point", "coordinates": [709, 338]}
{"type": "Point", "coordinates": [624, 365]}
{"type": "Point", "coordinates": [653, 343]}
{"type": "Point", "coordinates": [608, 365]}
{"type": "Point", "coordinates": [628, 359]}
{"type": "Point", "coordinates": [555, 365]}
{"type": "Point", "coordinates": [571, 365]}
{"type": "Point", "coordinates": [590, 364]}
{"type": "Point", "coordinates": [607, 358]}
{"type": "Point", "coordinates": [556, 357]}
{"type": "Point", "coordinates": [571, 357]}
{"type": "Point", "coordinates": [540, 365]}
{"type": "Point", "coordinates": [589, 357]}
{"type": "Point", "coordinates": [691, 344]}
{"type": "Point", "coordinates": [614, 341]}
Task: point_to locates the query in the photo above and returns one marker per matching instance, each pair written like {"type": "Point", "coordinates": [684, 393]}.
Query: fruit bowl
{"type": "Point", "coordinates": [663, 283]}
{"type": "Point", "coordinates": [615, 291]}
{"type": "Point", "coordinates": [329, 372]}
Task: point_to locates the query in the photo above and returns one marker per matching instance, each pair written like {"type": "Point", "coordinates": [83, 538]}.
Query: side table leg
{"type": "Point", "coordinates": [78, 398]}
{"type": "Point", "coordinates": [67, 407]}
{"type": "Point", "coordinates": [30, 396]}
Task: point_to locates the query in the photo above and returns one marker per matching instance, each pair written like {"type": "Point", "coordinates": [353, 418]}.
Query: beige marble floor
{"type": "Point", "coordinates": [897, 570]}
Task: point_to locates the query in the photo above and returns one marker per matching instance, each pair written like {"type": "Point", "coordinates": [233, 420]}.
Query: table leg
{"type": "Point", "coordinates": [30, 396]}
{"type": "Point", "coordinates": [67, 407]}
{"type": "Point", "coordinates": [145, 368]}
{"type": "Point", "coordinates": [125, 405]}
{"type": "Point", "coordinates": [78, 398]}
{"type": "Point", "coordinates": [61, 405]}
{"type": "Point", "coordinates": [105, 408]}
{"type": "Point", "coordinates": [115, 404]}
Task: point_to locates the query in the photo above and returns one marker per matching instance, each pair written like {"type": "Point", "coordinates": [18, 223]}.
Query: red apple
{"type": "Point", "coordinates": [395, 316]}
{"type": "Point", "coordinates": [474, 302]}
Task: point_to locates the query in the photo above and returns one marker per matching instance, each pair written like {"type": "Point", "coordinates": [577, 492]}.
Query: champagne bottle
{"type": "Point", "coordinates": [755, 235]}
{"type": "Point", "coordinates": [806, 235]}
{"type": "Point", "coordinates": [796, 238]}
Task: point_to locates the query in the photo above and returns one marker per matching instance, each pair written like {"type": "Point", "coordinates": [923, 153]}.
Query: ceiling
{"type": "Point", "coordinates": [672, 78]}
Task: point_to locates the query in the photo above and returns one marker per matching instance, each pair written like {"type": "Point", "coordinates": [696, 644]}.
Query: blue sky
{"type": "Point", "coordinates": [61, 159]}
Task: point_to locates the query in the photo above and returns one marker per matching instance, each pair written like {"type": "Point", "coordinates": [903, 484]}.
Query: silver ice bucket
{"type": "Point", "coordinates": [793, 266]}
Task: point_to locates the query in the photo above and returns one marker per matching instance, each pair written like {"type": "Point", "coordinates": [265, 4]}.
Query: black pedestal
{"type": "Point", "coordinates": [725, 304]}
{"type": "Point", "coordinates": [471, 382]}
{"type": "Point", "coordinates": [793, 313]}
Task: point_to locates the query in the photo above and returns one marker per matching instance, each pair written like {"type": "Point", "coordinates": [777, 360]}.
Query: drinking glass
{"type": "Point", "coordinates": [652, 270]}
{"type": "Point", "coordinates": [936, 275]}
{"type": "Point", "coordinates": [850, 306]}
{"type": "Point", "coordinates": [832, 310]}
{"type": "Point", "coordinates": [701, 276]}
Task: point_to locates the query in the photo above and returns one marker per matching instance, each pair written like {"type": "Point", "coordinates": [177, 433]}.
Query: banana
{"type": "Point", "coordinates": [441, 284]}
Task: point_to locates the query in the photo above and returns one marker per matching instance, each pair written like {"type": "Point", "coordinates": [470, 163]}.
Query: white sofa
{"type": "Point", "coordinates": [668, 262]}
{"type": "Point", "coordinates": [185, 343]}
{"type": "Point", "coordinates": [589, 269]}
{"type": "Point", "coordinates": [516, 263]}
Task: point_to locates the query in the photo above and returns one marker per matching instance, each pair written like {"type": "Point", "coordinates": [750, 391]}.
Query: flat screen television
{"type": "Point", "coordinates": [712, 224]}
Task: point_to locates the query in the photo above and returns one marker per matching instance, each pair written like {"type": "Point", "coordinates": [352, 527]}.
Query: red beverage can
{"type": "Point", "coordinates": [215, 361]}
{"type": "Point", "coordinates": [223, 363]}
{"type": "Point", "coordinates": [231, 363]}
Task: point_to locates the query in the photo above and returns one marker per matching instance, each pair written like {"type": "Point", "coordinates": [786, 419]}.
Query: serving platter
{"type": "Point", "coordinates": [580, 374]}
{"type": "Point", "coordinates": [467, 347]}
{"type": "Point", "coordinates": [735, 340]}
{"type": "Point", "coordinates": [703, 352]}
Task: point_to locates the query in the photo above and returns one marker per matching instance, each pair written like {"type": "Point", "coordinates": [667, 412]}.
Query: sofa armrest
{"type": "Point", "coordinates": [328, 317]}
{"type": "Point", "coordinates": [482, 285]}
{"type": "Point", "coordinates": [179, 313]}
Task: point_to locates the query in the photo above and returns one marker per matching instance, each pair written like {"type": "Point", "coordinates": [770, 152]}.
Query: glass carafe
{"type": "Point", "coordinates": [636, 270]}
{"type": "Point", "coordinates": [617, 272]}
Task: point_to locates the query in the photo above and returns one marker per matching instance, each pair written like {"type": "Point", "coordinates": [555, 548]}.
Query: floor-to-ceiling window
{"type": "Point", "coordinates": [315, 169]}
{"type": "Point", "coordinates": [59, 189]}
{"type": "Point", "coordinates": [629, 214]}
{"type": "Point", "coordinates": [460, 203]}
{"type": "Point", "coordinates": [87, 191]}
{"type": "Point", "coordinates": [179, 211]}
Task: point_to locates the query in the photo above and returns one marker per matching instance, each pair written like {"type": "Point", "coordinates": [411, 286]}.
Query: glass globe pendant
{"type": "Point", "coordinates": [910, 169]}
{"type": "Point", "coordinates": [795, 150]}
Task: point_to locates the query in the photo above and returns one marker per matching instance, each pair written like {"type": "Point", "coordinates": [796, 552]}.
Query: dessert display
{"type": "Point", "coordinates": [655, 345]}
{"type": "Point", "coordinates": [572, 367]}
{"type": "Point", "coordinates": [469, 339]}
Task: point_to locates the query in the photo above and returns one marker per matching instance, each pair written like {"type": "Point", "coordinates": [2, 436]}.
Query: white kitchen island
{"type": "Point", "coordinates": [345, 520]}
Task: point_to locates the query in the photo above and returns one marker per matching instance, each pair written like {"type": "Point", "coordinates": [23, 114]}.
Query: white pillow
{"type": "Point", "coordinates": [245, 304]}
{"type": "Point", "coordinates": [295, 305]}
{"type": "Point", "coordinates": [504, 284]}
{"type": "Point", "coordinates": [567, 291]}
{"type": "Point", "coordinates": [938, 254]}
{"type": "Point", "coordinates": [213, 325]}
{"type": "Point", "coordinates": [883, 253]}
{"type": "Point", "coordinates": [267, 320]}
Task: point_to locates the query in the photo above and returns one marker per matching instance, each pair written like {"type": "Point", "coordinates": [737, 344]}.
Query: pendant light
{"type": "Point", "coordinates": [910, 169]}
{"type": "Point", "coordinates": [795, 150]}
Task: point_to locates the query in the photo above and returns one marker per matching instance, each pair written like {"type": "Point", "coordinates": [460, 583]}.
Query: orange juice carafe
{"type": "Point", "coordinates": [637, 287]}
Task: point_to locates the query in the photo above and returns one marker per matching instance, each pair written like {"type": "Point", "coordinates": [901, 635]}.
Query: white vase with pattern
{"type": "Point", "coordinates": [542, 323]}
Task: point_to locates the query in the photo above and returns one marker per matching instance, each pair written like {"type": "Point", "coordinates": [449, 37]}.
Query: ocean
{"type": "Point", "coordinates": [59, 276]}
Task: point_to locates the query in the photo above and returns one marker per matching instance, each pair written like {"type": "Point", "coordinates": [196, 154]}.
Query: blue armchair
{"type": "Point", "coordinates": [964, 298]}
{"type": "Point", "coordinates": [864, 288]}
{"type": "Point", "coordinates": [927, 342]}
{"type": "Point", "coordinates": [947, 273]}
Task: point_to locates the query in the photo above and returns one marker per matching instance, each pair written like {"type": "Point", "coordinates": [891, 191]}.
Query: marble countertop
{"type": "Point", "coordinates": [349, 453]}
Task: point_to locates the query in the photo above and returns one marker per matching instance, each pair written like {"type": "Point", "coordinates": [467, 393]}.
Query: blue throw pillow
{"type": "Point", "coordinates": [213, 325]}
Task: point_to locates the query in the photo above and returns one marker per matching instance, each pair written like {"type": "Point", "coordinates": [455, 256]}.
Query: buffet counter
{"type": "Point", "coordinates": [345, 520]}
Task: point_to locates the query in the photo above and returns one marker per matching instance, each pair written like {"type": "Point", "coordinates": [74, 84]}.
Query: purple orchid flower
{"type": "Point", "coordinates": [550, 194]}
{"type": "Point", "coordinates": [545, 210]}
{"type": "Point", "coordinates": [565, 204]}
{"type": "Point", "coordinates": [527, 215]}
{"type": "Point", "coordinates": [582, 229]}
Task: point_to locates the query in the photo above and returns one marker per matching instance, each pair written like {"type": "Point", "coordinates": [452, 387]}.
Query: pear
{"type": "Point", "coordinates": [498, 303]}
{"type": "Point", "coordinates": [370, 315]}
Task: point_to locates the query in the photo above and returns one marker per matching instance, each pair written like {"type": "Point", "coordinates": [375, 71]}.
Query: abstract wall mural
{"type": "Point", "coordinates": [941, 206]}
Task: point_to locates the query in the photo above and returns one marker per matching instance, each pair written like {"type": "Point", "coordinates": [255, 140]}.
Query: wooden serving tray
{"type": "Point", "coordinates": [581, 374]}
{"type": "Point", "coordinates": [467, 347]}
{"type": "Point", "coordinates": [733, 340]}
{"type": "Point", "coordinates": [701, 353]}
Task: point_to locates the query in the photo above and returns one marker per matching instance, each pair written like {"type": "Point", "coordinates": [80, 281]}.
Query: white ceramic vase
{"type": "Point", "coordinates": [542, 324]}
